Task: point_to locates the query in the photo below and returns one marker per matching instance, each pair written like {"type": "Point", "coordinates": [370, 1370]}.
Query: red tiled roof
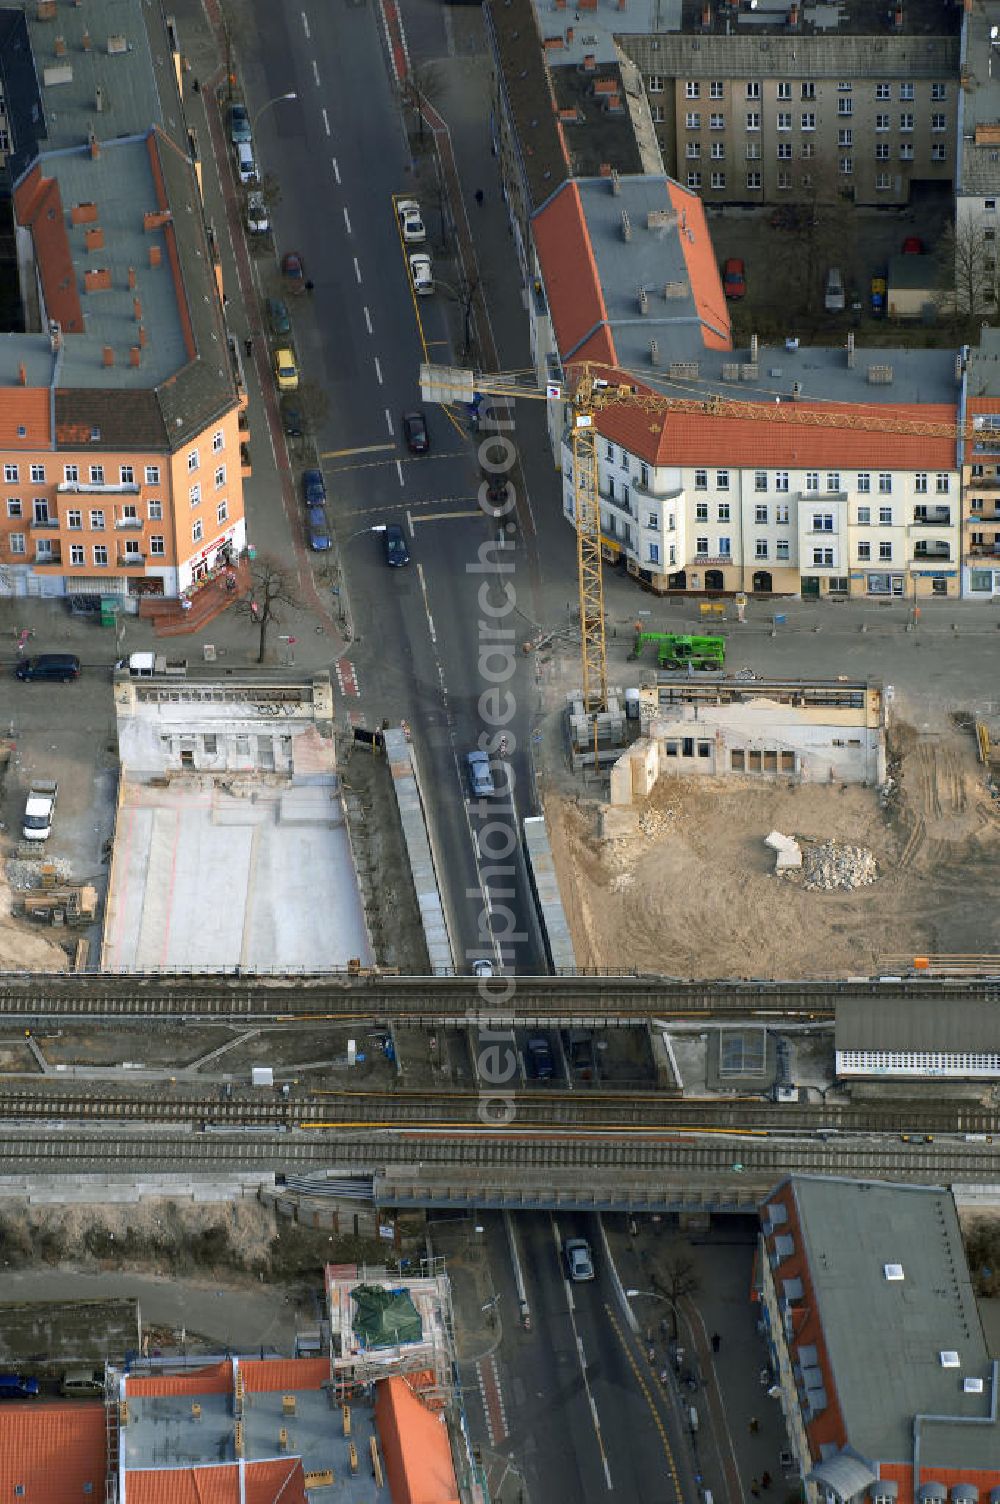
{"type": "Point", "coordinates": [702, 268]}
{"type": "Point", "coordinates": [707, 439]}
{"type": "Point", "coordinates": [217, 1378]}
{"type": "Point", "coordinates": [415, 1445]}
{"type": "Point", "coordinates": [572, 284]}
{"type": "Point", "coordinates": [183, 1485]}
{"type": "Point", "coordinates": [283, 1375]}
{"type": "Point", "coordinates": [51, 1451]}
{"type": "Point", "coordinates": [28, 407]}
{"type": "Point", "coordinates": [281, 1479]}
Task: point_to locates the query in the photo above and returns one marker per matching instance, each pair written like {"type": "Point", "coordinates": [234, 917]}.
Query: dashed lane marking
{"type": "Point", "coordinates": [347, 678]}
{"type": "Point", "coordinates": [493, 1405]}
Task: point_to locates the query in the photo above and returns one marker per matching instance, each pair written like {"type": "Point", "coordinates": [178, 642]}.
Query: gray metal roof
{"type": "Point", "coordinates": [884, 1338]}
{"type": "Point", "coordinates": [983, 371]}
{"type": "Point", "coordinates": [793, 56]}
{"type": "Point", "coordinates": [846, 1474]}
{"type": "Point", "coordinates": [979, 102]}
{"type": "Point", "coordinates": [918, 1023]}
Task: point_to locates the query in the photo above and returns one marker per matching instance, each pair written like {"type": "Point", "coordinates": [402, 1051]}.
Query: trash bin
{"type": "Point", "coordinates": [109, 610]}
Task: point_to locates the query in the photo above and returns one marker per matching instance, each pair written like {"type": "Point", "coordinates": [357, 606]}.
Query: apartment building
{"type": "Point", "coordinates": [981, 471]}
{"type": "Point", "coordinates": [876, 1345]}
{"type": "Point", "coordinates": [120, 438]}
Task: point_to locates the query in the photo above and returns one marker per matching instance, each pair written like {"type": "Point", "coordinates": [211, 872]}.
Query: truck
{"type": "Point", "coordinates": [678, 650]}
{"type": "Point", "coordinates": [39, 810]}
{"type": "Point", "coordinates": [152, 666]}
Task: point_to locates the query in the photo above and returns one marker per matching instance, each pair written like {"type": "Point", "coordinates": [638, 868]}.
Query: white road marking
{"type": "Point", "coordinates": [316, 72]}
{"type": "Point", "coordinates": [347, 221]}
{"type": "Point", "coordinates": [582, 1357]}
{"type": "Point", "coordinates": [357, 269]}
{"type": "Point", "coordinates": [336, 169]}
{"type": "Point", "coordinates": [399, 471]}
{"type": "Point", "coordinates": [427, 606]}
{"type": "Point", "coordinates": [449, 30]}
{"type": "Point", "coordinates": [378, 370]}
{"type": "Point", "coordinates": [409, 523]}
{"type": "Point", "coordinates": [368, 322]}
{"type": "Point", "coordinates": [305, 25]}
{"type": "Point", "coordinates": [326, 121]}
{"type": "Point", "coordinates": [475, 846]}
{"type": "Point", "coordinates": [388, 417]}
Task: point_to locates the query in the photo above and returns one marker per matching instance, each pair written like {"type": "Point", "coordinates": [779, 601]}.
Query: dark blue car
{"type": "Point", "coordinates": [313, 488]}
{"type": "Point", "coordinates": [317, 529]}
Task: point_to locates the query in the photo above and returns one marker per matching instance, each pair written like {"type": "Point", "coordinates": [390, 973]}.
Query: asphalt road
{"type": "Point", "coordinates": [365, 335]}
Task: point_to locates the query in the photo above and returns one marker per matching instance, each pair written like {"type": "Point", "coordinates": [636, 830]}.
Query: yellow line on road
{"type": "Point", "coordinates": [648, 1397]}
{"type": "Point", "coordinates": [333, 454]}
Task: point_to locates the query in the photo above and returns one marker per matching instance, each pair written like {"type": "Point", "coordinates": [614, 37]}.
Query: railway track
{"type": "Point", "coordinates": [567, 1000]}
{"type": "Point", "coordinates": [575, 1111]}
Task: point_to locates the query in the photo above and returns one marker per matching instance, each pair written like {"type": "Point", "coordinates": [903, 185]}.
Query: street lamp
{"type": "Point", "coordinates": [278, 99]}
{"type": "Point", "coordinates": [656, 1295]}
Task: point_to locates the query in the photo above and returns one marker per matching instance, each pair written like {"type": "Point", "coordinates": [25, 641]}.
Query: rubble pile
{"type": "Point", "coordinates": [828, 865]}
{"type": "Point", "coordinates": [25, 875]}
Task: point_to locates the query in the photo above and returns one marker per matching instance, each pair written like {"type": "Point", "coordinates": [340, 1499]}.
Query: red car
{"type": "Point", "coordinates": [913, 246]}
{"type": "Point", "coordinates": [734, 279]}
{"type": "Point", "coordinates": [293, 271]}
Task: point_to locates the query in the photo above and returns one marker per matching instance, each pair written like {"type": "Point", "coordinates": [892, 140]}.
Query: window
{"type": "Point", "coordinates": [885, 516]}
{"type": "Point", "coordinates": [723, 511]}
{"type": "Point", "coordinates": [701, 545]}
{"type": "Point", "coordinates": [760, 480]}
{"type": "Point", "coordinates": [100, 555]}
{"type": "Point", "coordinates": [822, 522]}
{"type": "Point", "coordinates": [906, 121]}
{"type": "Point", "coordinates": [701, 480]}
{"type": "Point", "coordinates": [10, 472]}
{"type": "Point", "coordinates": [126, 475]}
{"type": "Point", "coordinates": [883, 182]}
{"type": "Point", "coordinates": [152, 475]}
{"type": "Point", "coordinates": [885, 483]}
{"type": "Point", "coordinates": [220, 476]}
{"type": "Point", "coordinates": [882, 91]}
{"type": "Point", "coordinates": [939, 91]}
{"type": "Point", "coordinates": [653, 553]}
{"type": "Point", "coordinates": [15, 542]}
{"type": "Point", "coordinates": [13, 506]}
{"type": "Point", "coordinates": [754, 180]}
{"type": "Point", "coordinates": [196, 530]}
{"type": "Point", "coordinates": [74, 519]}
{"type": "Point", "coordinates": [655, 85]}
{"type": "Point", "coordinates": [692, 89]}
{"type": "Point", "coordinates": [781, 549]}
{"type": "Point", "coordinates": [885, 550]}
{"type": "Point", "coordinates": [653, 520]}
{"type": "Point", "coordinates": [156, 544]}
{"type": "Point", "coordinates": [784, 91]}
{"type": "Point", "coordinates": [941, 484]}
{"type": "Point", "coordinates": [784, 179]}
{"type": "Point", "coordinates": [715, 90]}
{"type": "Point", "coordinates": [753, 89]}
{"type": "Point", "coordinates": [781, 511]}
{"type": "Point", "coordinates": [784, 121]}
{"type": "Point", "coordinates": [97, 475]}
{"type": "Point", "coordinates": [725, 547]}
{"type": "Point", "coordinates": [194, 495]}
{"type": "Point", "coordinates": [761, 548]}
{"type": "Point", "coordinates": [939, 122]}
{"type": "Point", "coordinates": [38, 472]}
{"type": "Point", "coordinates": [193, 461]}
{"type": "Point", "coordinates": [846, 166]}
{"type": "Point", "coordinates": [808, 91]}
{"type": "Point", "coordinates": [692, 120]}
{"type": "Point", "coordinates": [609, 452]}
{"type": "Point", "coordinates": [753, 120]}
{"type": "Point", "coordinates": [222, 511]}
{"type": "Point", "coordinates": [692, 150]}
{"type": "Point", "coordinates": [881, 122]}
{"type": "Point", "coordinates": [845, 138]}
{"type": "Point", "coordinates": [864, 481]}
{"type": "Point", "coordinates": [694, 179]}
{"type": "Point", "coordinates": [71, 474]}
{"type": "Point", "coordinates": [906, 91]}
{"type": "Point", "coordinates": [97, 520]}
{"type": "Point", "coordinates": [807, 120]}
{"type": "Point", "coordinates": [833, 480]}
{"type": "Point", "coordinates": [864, 551]}
{"type": "Point", "coordinates": [823, 556]}
{"type": "Point", "coordinates": [990, 205]}
{"type": "Point", "coordinates": [717, 122]}
{"type": "Point", "coordinates": [77, 554]}
{"type": "Point", "coordinates": [154, 509]}
{"type": "Point", "coordinates": [812, 480]}
{"type": "Point", "coordinates": [760, 514]}
{"type": "Point", "coordinates": [718, 150]}
{"type": "Point", "coordinates": [718, 180]}
{"type": "Point", "coordinates": [920, 482]}
{"type": "Point", "coordinates": [845, 107]}
{"type": "Point", "coordinates": [906, 151]}
{"type": "Point", "coordinates": [781, 480]}
{"type": "Point", "coordinates": [881, 151]}
{"type": "Point", "coordinates": [939, 151]}
{"type": "Point", "coordinates": [784, 151]}
{"type": "Point", "coordinates": [864, 516]}
{"type": "Point", "coordinates": [753, 151]}
{"type": "Point", "coordinates": [722, 480]}
{"type": "Point", "coordinates": [701, 511]}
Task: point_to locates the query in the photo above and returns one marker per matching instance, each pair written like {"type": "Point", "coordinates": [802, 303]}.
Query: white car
{"type": "Point", "coordinates": [258, 222]}
{"type": "Point", "coordinates": [420, 271]}
{"type": "Point", "coordinates": [245, 164]}
{"type": "Point", "coordinates": [410, 221]}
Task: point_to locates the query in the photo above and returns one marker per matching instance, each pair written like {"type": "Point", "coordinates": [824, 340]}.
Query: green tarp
{"type": "Point", "coordinates": [385, 1318]}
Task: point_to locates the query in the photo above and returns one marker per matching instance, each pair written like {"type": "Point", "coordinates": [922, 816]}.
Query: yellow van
{"type": "Point", "coordinates": [286, 372]}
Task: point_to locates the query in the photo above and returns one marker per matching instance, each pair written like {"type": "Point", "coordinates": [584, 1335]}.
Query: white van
{"type": "Point", "coordinates": [834, 300]}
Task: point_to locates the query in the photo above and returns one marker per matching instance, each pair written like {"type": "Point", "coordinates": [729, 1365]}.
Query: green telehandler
{"type": "Point", "coordinates": [675, 650]}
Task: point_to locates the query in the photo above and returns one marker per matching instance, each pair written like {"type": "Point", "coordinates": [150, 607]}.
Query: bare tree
{"type": "Point", "coordinates": [817, 233]}
{"type": "Point", "coordinates": [313, 403]}
{"type": "Point", "coordinates": [678, 1278]}
{"type": "Point", "coordinates": [967, 267]}
{"type": "Point", "coordinates": [271, 587]}
{"type": "Point", "coordinates": [422, 85]}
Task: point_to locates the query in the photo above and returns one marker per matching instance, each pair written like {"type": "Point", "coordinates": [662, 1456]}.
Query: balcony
{"type": "Point", "coordinates": [985, 550]}
{"type": "Point", "coordinates": [932, 517]}
{"type": "Point", "coordinates": [932, 555]}
{"type": "Point", "coordinates": [131, 561]}
{"type": "Point", "coordinates": [44, 524]}
{"type": "Point", "coordinates": [98, 488]}
{"type": "Point", "coordinates": [712, 559]}
{"type": "Point", "coordinates": [984, 483]}
{"type": "Point", "coordinates": [129, 524]}
{"type": "Point", "coordinates": [47, 558]}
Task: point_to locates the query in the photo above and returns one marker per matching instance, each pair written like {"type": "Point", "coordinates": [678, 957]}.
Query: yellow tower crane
{"type": "Point", "coordinates": [589, 393]}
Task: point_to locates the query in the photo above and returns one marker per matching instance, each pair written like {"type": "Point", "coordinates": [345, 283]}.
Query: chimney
{"type": "Point", "coordinates": [131, 278]}
{"type": "Point", "coordinates": [643, 301]}
{"type": "Point", "coordinates": [46, 10]}
{"type": "Point", "coordinates": [793, 18]}
{"type": "Point", "coordinates": [83, 214]}
{"type": "Point", "coordinates": [897, 18]}
{"type": "Point", "coordinates": [626, 226]}
{"type": "Point", "coordinates": [137, 310]}
{"type": "Point", "coordinates": [85, 41]}
{"type": "Point", "coordinates": [569, 36]}
{"type": "Point", "coordinates": [706, 18]}
{"type": "Point", "coordinates": [753, 347]}
{"type": "Point", "coordinates": [108, 356]}
{"type": "Point", "coordinates": [94, 144]}
{"type": "Point", "coordinates": [93, 238]}
{"type": "Point", "coordinates": [850, 351]}
{"type": "Point", "coordinates": [616, 182]}
{"type": "Point", "coordinates": [55, 335]}
{"type": "Point", "coordinates": [143, 337]}
{"type": "Point", "coordinates": [22, 374]}
{"type": "Point", "coordinates": [589, 62]}
{"type": "Point", "coordinates": [654, 353]}
{"type": "Point", "coordinates": [155, 255]}
{"type": "Point", "coordinates": [99, 100]}
{"type": "Point", "coordinates": [97, 279]}
{"type": "Point", "coordinates": [59, 46]}
{"type": "Point", "coordinates": [134, 356]}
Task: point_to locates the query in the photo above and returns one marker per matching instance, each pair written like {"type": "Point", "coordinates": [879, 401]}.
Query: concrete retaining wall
{"type": "Point", "coordinates": [98, 1190]}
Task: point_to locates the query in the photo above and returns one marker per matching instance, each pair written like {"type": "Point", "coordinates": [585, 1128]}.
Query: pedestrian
{"type": "Point", "coordinates": [310, 287]}
{"type": "Point", "coordinates": [765, 1479]}
{"type": "Point", "coordinates": [755, 1489]}
{"type": "Point", "coordinates": [248, 345]}
{"type": "Point", "coordinates": [225, 300]}
{"type": "Point", "coordinates": [754, 1425]}
{"type": "Point", "coordinates": [480, 196]}
{"type": "Point", "coordinates": [716, 1342]}
{"type": "Point", "coordinates": [195, 86]}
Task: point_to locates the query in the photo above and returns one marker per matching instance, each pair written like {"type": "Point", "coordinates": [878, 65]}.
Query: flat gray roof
{"type": "Point", "coordinates": [919, 1023]}
{"type": "Point", "coordinates": [979, 101]}
{"type": "Point", "coordinates": [983, 378]}
{"type": "Point", "coordinates": [885, 1337]}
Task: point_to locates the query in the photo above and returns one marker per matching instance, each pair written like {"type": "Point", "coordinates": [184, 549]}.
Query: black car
{"type": "Point", "coordinates": [239, 125]}
{"type": "Point", "coordinates": [60, 666]}
{"type": "Point", "coordinates": [291, 418]}
{"type": "Point", "coordinates": [313, 488]}
{"type": "Point", "coordinates": [538, 1058]}
{"type": "Point", "coordinates": [396, 552]}
{"type": "Point", "coordinates": [277, 317]}
{"type": "Point", "coordinates": [415, 433]}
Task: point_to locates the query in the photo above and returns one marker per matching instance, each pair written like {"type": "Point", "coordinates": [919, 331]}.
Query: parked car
{"type": "Point", "coordinates": [538, 1058]}
{"type": "Point", "coordinates": [313, 488]}
{"type": "Point", "coordinates": [394, 541]}
{"type": "Point", "coordinates": [14, 1386]}
{"type": "Point", "coordinates": [277, 317]}
{"type": "Point", "coordinates": [291, 418]}
{"type": "Point", "coordinates": [878, 292]}
{"type": "Point", "coordinates": [61, 666]}
{"type": "Point", "coordinates": [734, 279]}
{"type": "Point", "coordinates": [245, 164]}
{"type": "Point", "coordinates": [834, 299]}
{"type": "Point", "coordinates": [482, 969]}
{"type": "Point", "coordinates": [410, 221]}
{"type": "Point", "coordinates": [293, 270]}
{"type": "Point", "coordinates": [913, 246]}
{"type": "Point", "coordinates": [415, 433]}
{"type": "Point", "coordinates": [286, 372]}
{"type": "Point", "coordinates": [258, 219]}
{"type": "Point", "coordinates": [579, 1259]}
{"type": "Point", "coordinates": [81, 1381]}
{"type": "Point", "coordinates": [239, 124]}
{"type": "Point", "coordinates": [420, 271]}
{"type": "Point", "coordinates": [317, 530]}
{"type": "Point", "coordinates": [480, 775]}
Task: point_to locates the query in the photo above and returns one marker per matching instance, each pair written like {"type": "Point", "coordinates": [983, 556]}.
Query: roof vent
{"type": "Point", "coordinates": [117, 43]}
{"type": "Point", "coordinates": [674, 290]}
{"type": "Point", "coordinates": [797, 393]}
{"type": "Point", "coordinates": [893, 1271]}
{"type": "Point", "coordinates": [643, 301]}
{"type": "Point", "coordinates": [950, 1359]}
{"type": "Point", "coordinates": [626, 226]}
{"type": "Point", "coordinates": [754, 346]}
{"type": "Point", "coordinates": [654, 353]}
{"type": "Point", "coordinates": [880, 375]}
{"type": "Point", "coordinates": [972, 1386]}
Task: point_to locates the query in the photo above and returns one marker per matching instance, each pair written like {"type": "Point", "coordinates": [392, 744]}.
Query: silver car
{"type": "Point", "coordinates": [579, 1259]}
{"type": "Point", "coordinates": [480, 775]}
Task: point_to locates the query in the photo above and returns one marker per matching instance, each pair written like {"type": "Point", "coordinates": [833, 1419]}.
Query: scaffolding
{"type": "Point", "coordinates": [356, 1369]}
